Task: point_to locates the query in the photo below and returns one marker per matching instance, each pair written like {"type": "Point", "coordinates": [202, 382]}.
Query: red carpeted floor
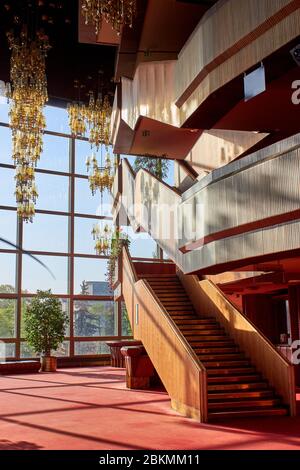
{"type": "Point", "coordinates": [90, 408]}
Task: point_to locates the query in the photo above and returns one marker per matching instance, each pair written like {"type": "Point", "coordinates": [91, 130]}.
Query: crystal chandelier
{"type": "Point", "coordinates": [115, 12]}
{"type": "Point", "coordinates": [100, 177]}
{"type": "Point", "coordinates": [98, 117]}
{"type": "Point", "coordinates": [77, 112]}
{"type": "Point", "coordinates": [102, 236]}
{"type": "Point", "coordinates": [28, 96]}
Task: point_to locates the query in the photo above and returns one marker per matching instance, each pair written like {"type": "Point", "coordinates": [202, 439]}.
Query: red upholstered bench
{"type": "Point", "coordinates": [19, 367]}
{"type": "Point", "coordinates": [116, 358]}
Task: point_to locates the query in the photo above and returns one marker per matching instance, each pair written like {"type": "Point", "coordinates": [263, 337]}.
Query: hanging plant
{"type": "Point", "coordinates": [118, 241]}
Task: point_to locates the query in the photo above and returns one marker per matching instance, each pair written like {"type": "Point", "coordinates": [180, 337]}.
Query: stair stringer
{"type": "Point", "coordinates": [209, 300]}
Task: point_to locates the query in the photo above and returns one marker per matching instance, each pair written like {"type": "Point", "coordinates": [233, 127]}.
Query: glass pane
{"type": "Point", "coordinates": [55, 154]}
{"type": "Point", "coordinates": [4, 108]}
{"type": "Point", "coordinates": [86, 203]}
{"type": "Point", "coordinates": [126, 328]}
{"type": "Point", "coordinates": [53, 192]}
{"type": "Point", "coordinates": [7, 273]}
{"type": "Point", "coordinates": [82, 151]}
{"type": "Point", "coordinates": [7, 350]}
{"type": "Point", "coordinates": [35, 276]}
{"type": "Point", "coordinates": [8, 228]}
{"type": "Point", "coordinates": [90, 271]}
{"type": "Point", "coordinates": [36, 235]}
{"type": "Point", "coordinates": [26, 302]}
{"type": "Point", "coordinates": [57, 119]}
{"type": "Point", "coordinates": [141, 244]}
{"type": "Point", "coordinates": [5, 147]}
{"type": "Point", "coordinates": [94, 318]}
{"type": "Point", "coordinates": [83, 239]}
{"type": "Point", "coordinates": [27, 351]}
{"type": "Point", "coordinates": [8, 308]}
{"type": "Point", "coordinates": [7, 187]}
{"type": "Point", "coordinates": [90, 348]}
{"type": "Point", "coordinates": [63, 350]}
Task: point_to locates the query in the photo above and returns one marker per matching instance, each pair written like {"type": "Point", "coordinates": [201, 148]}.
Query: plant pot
{"type": "Point", "coordinates": [48, 363]}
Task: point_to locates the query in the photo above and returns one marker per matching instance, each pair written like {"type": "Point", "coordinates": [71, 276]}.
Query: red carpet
{"type": "Point", "coordinates": [91, 409]}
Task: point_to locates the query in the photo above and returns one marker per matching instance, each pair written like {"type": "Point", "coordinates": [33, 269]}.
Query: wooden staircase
{"type": "Point", "coordinates": [235, 387]}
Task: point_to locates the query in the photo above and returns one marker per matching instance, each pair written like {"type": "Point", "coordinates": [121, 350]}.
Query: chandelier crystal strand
{"type": "Point", "coordinates": [115, 12]}
{"type": "Point", "coordinates": [77, 114]}
{"type": "Point", "coordinates": [28, 97]}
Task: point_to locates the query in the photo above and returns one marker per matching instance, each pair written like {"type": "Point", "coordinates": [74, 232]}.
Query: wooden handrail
{"type": "Point", "coordinates": [179, 368]}
{"type": "Point", "coordinates": [209, 300]}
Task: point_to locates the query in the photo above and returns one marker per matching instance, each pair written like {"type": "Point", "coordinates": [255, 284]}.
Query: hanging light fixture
{"type": "Point", "coordinates": [115, 12]}
{"type": "Point", "coordinates": [102, 236]}
{"type": "Point", "coordinates": [28, 96]}
{"type": "Point", "coordinates": [100, 177]}
{"type": "Point", "coordinates": [77, 112]}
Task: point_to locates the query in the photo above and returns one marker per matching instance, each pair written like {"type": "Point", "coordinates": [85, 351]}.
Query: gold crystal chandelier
{"type": "Point", "coordinates": [28, 96]}
{"type": "Point", "coordinates": [115, 12]}
{"type": "Point", "coordinates": [77, 114]}
{"type": "Point", "coordinates": [98, 118]}
{"type": "Point", "coordinates": [102, 236]}
{"type": "Point", "coordinates": [100, 177]}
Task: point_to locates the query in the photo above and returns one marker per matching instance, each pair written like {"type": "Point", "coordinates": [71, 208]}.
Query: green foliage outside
{"type": "Point", "coordinates": [45, 323]}
{"type": "Point", "coordinates": [157, 166]}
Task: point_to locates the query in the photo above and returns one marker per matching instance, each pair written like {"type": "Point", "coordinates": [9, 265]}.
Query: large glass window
{"type": "Point", "coordinates": [37, 236]}
{"type": "Point", "coordinates": [91, 272]}
{"type": "Point", "coordinates": [8, 318]}
{"type": "Point", "coordinates": [59, 247]}
{"type": "Point", "coordinates": [55, 154]}
{"type": "Point", "coordinates": [7, 273]}
{"type": "Point", "coordinates": [8, 228]}
{"type": "Point", "coordinates": [53, 192]}
{"type": "Point", "coordinates": [94, 318]}
{"type": "Point", "coordinates": [51, 272]}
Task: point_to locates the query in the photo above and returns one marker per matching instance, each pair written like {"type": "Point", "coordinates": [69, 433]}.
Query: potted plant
{"type": "Point", "coordinates": [45, 325]}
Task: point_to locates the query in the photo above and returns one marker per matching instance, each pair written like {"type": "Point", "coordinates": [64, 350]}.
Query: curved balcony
{"type": "Point", "coordinates": [243, 213]}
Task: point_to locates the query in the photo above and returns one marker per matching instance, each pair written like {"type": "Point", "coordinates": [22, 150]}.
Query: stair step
{"type": "Point", "coordinates": [216, 352]}
{"type": "Point", "coordinates": [197, 336]}
{"type": "Point", "coordinates": [221, 357]}
{"type": "Point", "coordinates": [205, 343]}
{"type": "Point", "coordinates": [196, 321]}
{"type": "Point", "coordinates": [176, 303]}
{"type": "Point", "coordinates": [196, 327]}
{"type": "Point", "coordinates": [278, 411]}
{"type": "Point", "coordinates": [230, 364]}
{"type": "Point", "coordinates": [238, 386]}
{"type": "Point", "coordinates": [230, 405]}
{"type": "Point", "coordinates": [181, 316]}
{"type": "Point", "coordinates": [238, 379]}
{"type": "Point", "coordinates": [180, 308]}
{"type": "Point", "coordinates": [240, 395]}
{"type": "Point", "coordinates": [232, 372]}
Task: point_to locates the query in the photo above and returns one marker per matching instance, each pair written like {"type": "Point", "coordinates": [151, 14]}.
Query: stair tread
{"type": "Point", "coordinates": [276, 411]}
{"type": "Point", "coordinates": [231, 371]}
{"type": "Point", "coordinates": [255, 386]}
{"type": "Point", "coordinates": [229, 364]}
{"type": "Point", "coordinates": [250, 403]}
{"type": "Point", "coordinates": [220, 380]}
{"type": "Point", "coordinates": [239, 395]}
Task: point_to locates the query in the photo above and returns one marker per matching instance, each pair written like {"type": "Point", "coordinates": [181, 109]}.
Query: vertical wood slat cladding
{"type": "Point", "coordinates": [220, 49]}
{"type": "Point", "coordinates": [176, 363]}
{"type": "Point", "coordinates": [209, 300]}
{"type": "Point", "coordinates": [231, 38]}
